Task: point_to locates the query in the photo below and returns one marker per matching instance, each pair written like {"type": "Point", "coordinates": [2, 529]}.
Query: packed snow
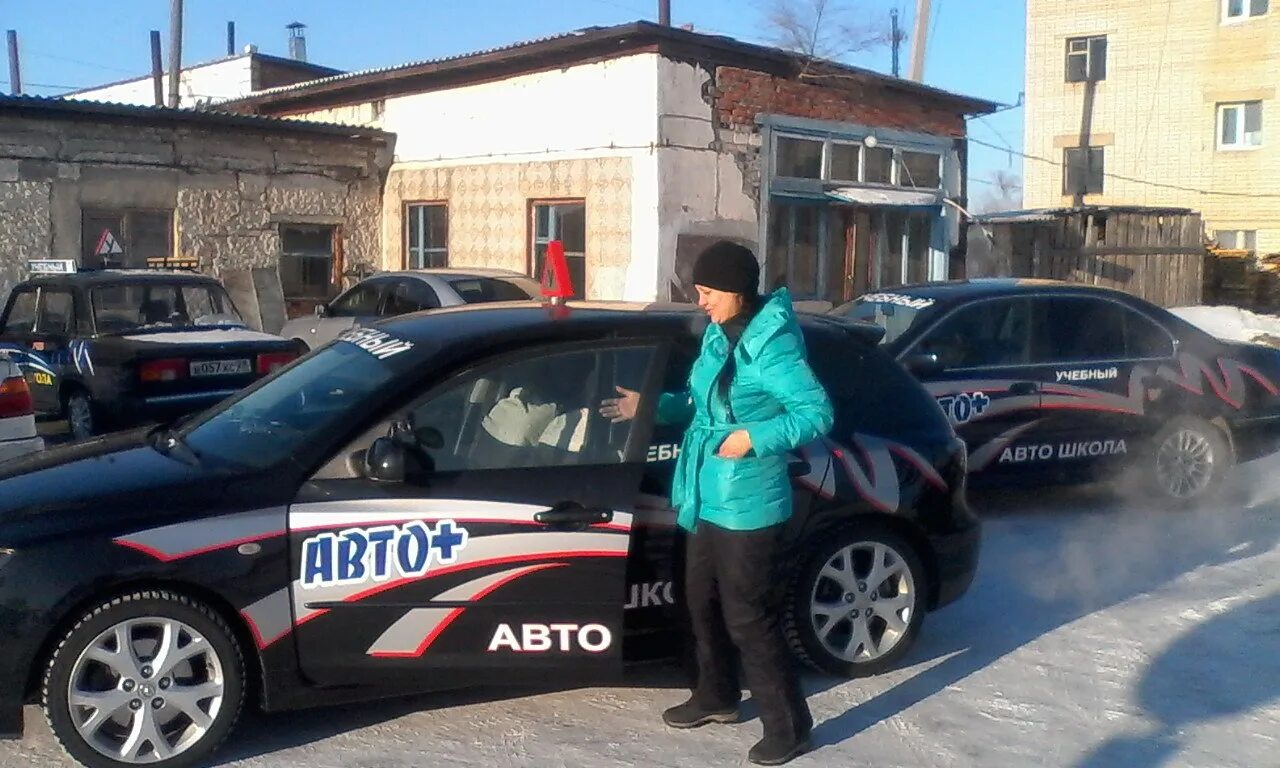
{"type": "Point", "coordinates": [1233, 323]}
{"type": "Point", "coordinates": [1099, 633]}
{"type": "Point", "coordinates": [212, 336]}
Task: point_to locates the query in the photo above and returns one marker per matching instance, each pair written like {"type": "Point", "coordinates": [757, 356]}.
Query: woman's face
{"type": "Point", "coordinates": [719, 305]}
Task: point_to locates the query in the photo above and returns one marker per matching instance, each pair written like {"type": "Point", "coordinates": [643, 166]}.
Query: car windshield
{"type": "Point", "coordinates": [128, 307]}
{"type": "Point", "coordinates": [896, 313]}
{"type": "Point", "coordinates": [478, 290]}
{"type": "Point", "coordinates": [275, 419]}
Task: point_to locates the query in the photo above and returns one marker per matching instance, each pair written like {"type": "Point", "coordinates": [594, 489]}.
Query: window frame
{"type": "Point", "coordinates": [897, 177]}
{"type": "Point", "coordinates": [125, 236]}
{"type": "Point", "coordinates": [33, 291]}
{"type": "Point", "coordinates": [334, 279]}
{"type": "Point", "coordinates": [1094, 72]}
{"type": "Point", "coordinates": [1101, 172]}
{"type": "Point", "coordinates": [1242, 110]}
{"type": "Point", "coordinates": [1246, 13]}
{"type": "Point", "coordinates": [1240, 234]}
{"type": "Point", "coordinates": [1125, 309]}
{"type": "Point", "coordinates": [420, 222]}
{"type": "Point", "coordinates": [533, 240]}
{"type": "Point", "coordinates": [945, 317]}
{"type": "Point", "coordinates": [72, 321]}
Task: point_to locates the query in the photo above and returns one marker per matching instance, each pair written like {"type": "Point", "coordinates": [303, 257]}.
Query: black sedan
{"type": "Point", "coordinates": [438, 502]}
{"type": "Point", "coordinates": [111, 349]}
{"type": "Point", "coordinates": [1054, 381]}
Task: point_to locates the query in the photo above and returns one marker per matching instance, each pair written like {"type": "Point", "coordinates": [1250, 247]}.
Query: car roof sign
{"type": "Point", "coordinates": [556, 283]}
{"type": "Point", "coordinates": [51, 266]}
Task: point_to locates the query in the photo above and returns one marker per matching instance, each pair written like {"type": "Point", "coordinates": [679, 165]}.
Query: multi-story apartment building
{"type": "Point", "coordinates": [1158, 102]}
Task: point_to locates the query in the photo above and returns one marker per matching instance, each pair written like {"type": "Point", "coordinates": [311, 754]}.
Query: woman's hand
{"type": "Point", "coordinates": [736, 445]}
{"type": "Point", "coordinates": [623, 408]}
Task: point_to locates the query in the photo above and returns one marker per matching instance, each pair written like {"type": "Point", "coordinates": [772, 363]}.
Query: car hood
{"type": "Point", "coordinates": [115, 478]}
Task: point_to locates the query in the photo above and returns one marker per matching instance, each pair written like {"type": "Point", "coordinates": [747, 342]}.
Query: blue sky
{"type": "Point", "coordinates": [974, 46]}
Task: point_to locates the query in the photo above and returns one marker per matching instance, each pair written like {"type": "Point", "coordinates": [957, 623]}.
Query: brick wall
{"type": "Point", "coordinates": [742, 94]}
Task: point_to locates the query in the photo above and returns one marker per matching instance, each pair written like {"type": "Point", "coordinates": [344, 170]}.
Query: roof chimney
{"type": "Point", "coordinates": [297, 41]}
{"type": "Point", "coordinates": [664, 12]}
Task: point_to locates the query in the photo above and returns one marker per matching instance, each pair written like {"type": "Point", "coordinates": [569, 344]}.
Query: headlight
{"type": "Point", "coordinates": [5, 554]}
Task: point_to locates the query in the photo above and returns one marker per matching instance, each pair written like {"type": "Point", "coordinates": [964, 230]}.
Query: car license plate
{"type": "Point", "coordinates": [219, 367]}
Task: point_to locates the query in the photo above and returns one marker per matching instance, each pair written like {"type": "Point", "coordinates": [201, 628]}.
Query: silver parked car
{"type": "Point", "coordinates": [388, 294]}
{"type": "Point", "coordinates": [17, 413]}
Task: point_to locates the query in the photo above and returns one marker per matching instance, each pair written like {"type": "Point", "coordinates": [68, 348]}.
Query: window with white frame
{"type": "Point", "coordinates": [1240, 125]}
{"type": "Point", "coordinates": [852, 162]}
{"type": "Point", "coordinates": [1237, 239]}
{"type": "Point", "coordinates": [1086, 59]}
{"type": "Point", "coordinates": [1240, 10]}
{"type": "Point", "coordinates": [427, 230]}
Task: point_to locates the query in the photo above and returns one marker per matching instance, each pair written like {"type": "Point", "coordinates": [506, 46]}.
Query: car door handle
{"type": "Point", "coordinates": [1024, 388]}
{"type": "Point", "coordinates": [573, 513]}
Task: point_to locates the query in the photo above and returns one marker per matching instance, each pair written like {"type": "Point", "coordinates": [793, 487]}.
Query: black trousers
{"type": "Point", "coordinates": [734, 594]}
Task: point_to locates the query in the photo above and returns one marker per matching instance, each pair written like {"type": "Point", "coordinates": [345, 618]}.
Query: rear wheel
{"type": "Point", "coordinates": [857, 603]}
{"type": "Point", "coordinates": [1189, 459]}
{"type": "Point", "coordinates": [152, 678]}
{"type": "Point", "coordinates": [81, 418]}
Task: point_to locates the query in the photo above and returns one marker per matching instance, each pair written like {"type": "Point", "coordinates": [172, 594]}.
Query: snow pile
{"type": "Point", "coordinates": [1233, 323]}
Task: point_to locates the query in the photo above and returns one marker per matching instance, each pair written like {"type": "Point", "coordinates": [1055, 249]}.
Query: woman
{"type": "Point", "coordinates": [752, 398]}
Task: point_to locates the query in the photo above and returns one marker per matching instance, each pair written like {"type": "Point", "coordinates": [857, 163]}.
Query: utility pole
{"type": "Point", "coordinates": [231, 38]}
{"type": "Point", "coordinates": [157, 68]}
{"type": "Point", "coordinates": [919, 41]}
{"type": "Point", "coordinates": [896, 41]}
{"type": "Point", "coordinates": [175, 50]}
{"type": "Point", "coordinates": [15, 71]}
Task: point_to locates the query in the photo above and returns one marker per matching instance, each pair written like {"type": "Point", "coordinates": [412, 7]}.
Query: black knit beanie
{"type": "Point", "coordinates": [727, 266]}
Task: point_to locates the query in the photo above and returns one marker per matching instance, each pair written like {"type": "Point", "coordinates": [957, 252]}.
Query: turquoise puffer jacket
{"type": "Point", "coordinates": [775, 397]}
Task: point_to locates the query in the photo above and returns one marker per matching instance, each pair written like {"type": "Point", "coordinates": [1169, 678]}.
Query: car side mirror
{"type": "Point", "coordinates": [322, 310]}
{"type": "Point", "coordinates": [385, 461]}
{"type": "Point", "coordinates": [798, 468]}
{"type": "Point", "coordinates": [923, 363]}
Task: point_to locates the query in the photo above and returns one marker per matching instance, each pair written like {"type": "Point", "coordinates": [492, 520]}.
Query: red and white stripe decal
{"type": "Point", "coordinates": [414, 633]}
{"type": "Point", "coordinates": [197, 537]}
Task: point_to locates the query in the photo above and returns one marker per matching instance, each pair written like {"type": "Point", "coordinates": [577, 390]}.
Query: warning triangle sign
{"type": "Point", "coordinates": [107, 244]}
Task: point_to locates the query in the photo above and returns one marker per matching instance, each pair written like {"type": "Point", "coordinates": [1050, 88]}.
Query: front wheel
{"type": "Point", "coordinates": [81, 415]}
{"type": "Point", "coordinates": [856, 605]}
{"type": "Point", "coordinates": [150, 678]}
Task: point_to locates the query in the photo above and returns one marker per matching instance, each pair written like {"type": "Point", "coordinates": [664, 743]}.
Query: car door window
{"type": "Point", "coordinates": [537, 412]}
{"type": "Point", "coordinates": [407, 296]}
{"type": "Point", "coordinates": [361, 301]}
{"type": "Point", "coordinates": [22, 313]}
{"type": "Point", "coordinates": [56, 315]}
{"type": "Point", "coordinates": [983, 335]}
{"type": "Point", "coordinates": [1083, 330]}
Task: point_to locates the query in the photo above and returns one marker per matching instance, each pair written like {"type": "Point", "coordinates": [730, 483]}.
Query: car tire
{"type": "Point", "coordinates": [81, 414]}
{"type": "Point", "coordinates": [830, 600]}
{"type": "Point", "coordinates": [171, 699]}
{"type": "Point", "coordinates": [1188, 460]}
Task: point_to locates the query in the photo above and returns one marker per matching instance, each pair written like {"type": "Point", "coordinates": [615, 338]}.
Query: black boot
{"type": "Point", "coordinates": [775, 750]}
{"type": "Point", "coordinates": [691, 715]}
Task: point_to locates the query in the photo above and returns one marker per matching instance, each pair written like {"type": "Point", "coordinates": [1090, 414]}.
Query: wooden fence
{"type": "Point", "coordinates": [1157, 255]}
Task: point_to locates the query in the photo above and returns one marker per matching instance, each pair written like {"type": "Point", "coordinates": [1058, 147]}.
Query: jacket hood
{"type": "Point", "coordinates": [776, 315]}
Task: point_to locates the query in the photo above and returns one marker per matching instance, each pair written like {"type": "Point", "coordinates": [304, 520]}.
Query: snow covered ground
{"type": "Point", "coordinates": [1232, 323]}
{"type": "Point", "coordinates": [1098, 634]}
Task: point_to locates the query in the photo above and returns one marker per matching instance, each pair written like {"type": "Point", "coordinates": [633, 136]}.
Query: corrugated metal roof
{"type": "Point", "coordinates": [209, 116]}
{"type": "Point", "coordinates": [595, 35]}
{"type": "Point", "coordinates": [1049, 214]}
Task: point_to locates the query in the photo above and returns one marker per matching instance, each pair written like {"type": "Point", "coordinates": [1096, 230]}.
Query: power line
{"type": "Point", "coordinates": [26, 83]}
{"type": "Point", "coordinates": [1133, 179]}
{"type": "Point", "coordinates": [82, 63]}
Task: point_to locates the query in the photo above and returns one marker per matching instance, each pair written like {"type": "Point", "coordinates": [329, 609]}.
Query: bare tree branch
{"type": "Point", "coordinates": [825, 29]}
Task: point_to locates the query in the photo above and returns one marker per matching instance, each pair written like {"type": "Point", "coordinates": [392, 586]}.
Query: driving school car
{"type": "Point", "coordinates": [1054, 381]}
{"type": "Point", "coordinates": [438, 502]}
{"type": "Point", "coordinates": [110, 349]}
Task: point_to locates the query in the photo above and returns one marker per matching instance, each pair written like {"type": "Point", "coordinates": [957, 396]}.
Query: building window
{"type": "Point", "coordinates": [799, 158]}
{"type": "Point", "coordinates": [1083, 171]}
{"type": "Point", "coordinates": [1240, 125]}
{"type": "Point", "coordinates": [922, 170]}
{"type": "Point", "coordinates": [132, 239]}
{"type": "Point", "coordinates": [1239, 10]}
{"type": "Point", "coordinates": [1086, 59]}
{"type": "Point", "coordinates": [427, 229]}
{"type": "Point", "coordinates": [1237, 239]}
{"type": "Point", "coordinates": [846, 162]}
{"type": "Point", "coordinates": [306, 261]}
{"type": "Point", "coordinates": [878, 162]}
{"type": "Point", "coordinates": [565, 221]}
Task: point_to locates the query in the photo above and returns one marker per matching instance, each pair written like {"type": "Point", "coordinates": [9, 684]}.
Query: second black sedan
{"type": "Point", "coordinates": [1054, 381]}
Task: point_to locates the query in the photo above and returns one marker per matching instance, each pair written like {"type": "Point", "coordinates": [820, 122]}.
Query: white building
{"type": "Point", "coordinates": [637, 145]}
{"type": "Point", "coordinates": [228, 78]}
